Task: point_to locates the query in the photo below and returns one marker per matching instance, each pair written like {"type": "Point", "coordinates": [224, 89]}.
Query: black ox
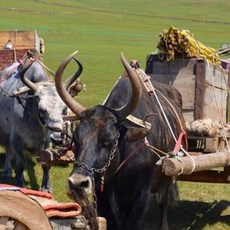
{"type": "Point", "coordinates": [111, 152]}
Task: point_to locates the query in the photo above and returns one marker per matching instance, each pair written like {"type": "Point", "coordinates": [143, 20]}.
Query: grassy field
{"type": "Point", "coordinates": [100, 30]}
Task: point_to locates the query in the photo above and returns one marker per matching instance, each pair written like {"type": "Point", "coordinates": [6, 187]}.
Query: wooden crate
{"type": "Point", "coordinates": [7, 57]}
{"type": "Point", "coordinates": [203, 86]}
{"type": "Point", "coordinates": [22, 42]}
{"type": "Point", "coordinates": [20, 39]}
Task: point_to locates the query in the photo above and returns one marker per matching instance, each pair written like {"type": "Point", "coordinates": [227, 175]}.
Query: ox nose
{"type": "Point", "coordinates": [56, 127]}
{"type": "Point", "coordinates": [79, 182]}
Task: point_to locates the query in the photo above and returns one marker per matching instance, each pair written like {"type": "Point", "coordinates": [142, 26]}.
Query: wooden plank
{"type": "Point", "coordinates": [186, 165]}
{"type": "Point", "coordinates": [194, 78]}
{"type": "Point", "coordinates": [215, 93]}
{"type": "Point", "coordinates": [188, 92]}
{"type": "Point", "coordinates": [180, 73]}
{"type": "Point", "coordinates": [20, 39]}
{"type": "Point", "coordinates": [211, 145]}
{"type": "Point", "coordinates": [188, 114]}
{"type": "Point", "coordinates": [7, 57]}
{"type": "Point", "coordinates": [199, 90]}
{"type": "Point", "coordinates": [215, 103]}
{"type": "Point", "coordinates": [216, 76]}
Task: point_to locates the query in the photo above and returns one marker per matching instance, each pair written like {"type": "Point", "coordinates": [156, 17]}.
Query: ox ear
{"type": "Point", "coordinates": [134, 134]}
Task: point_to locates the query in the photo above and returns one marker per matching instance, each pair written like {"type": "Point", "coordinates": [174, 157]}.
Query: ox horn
{"type": "Point", "coordinates": [136, 90]}
{"type": "Point", "coordinates": [75, 76]}
{"type": "Point", "coordinates": [76, 107]}
{"type": "Point", "coordinates": [25, 80]}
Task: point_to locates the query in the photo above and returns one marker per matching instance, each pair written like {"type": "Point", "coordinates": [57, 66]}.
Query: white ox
{"type": "Point", "coordinates": [28, 117]}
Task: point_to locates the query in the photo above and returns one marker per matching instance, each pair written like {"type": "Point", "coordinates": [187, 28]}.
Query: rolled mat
{"type": "Point", "coordinates": [51, 207]}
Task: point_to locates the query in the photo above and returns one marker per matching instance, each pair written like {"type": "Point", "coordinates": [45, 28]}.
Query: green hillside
{"type": "Point", "coordinates": [100, 30]}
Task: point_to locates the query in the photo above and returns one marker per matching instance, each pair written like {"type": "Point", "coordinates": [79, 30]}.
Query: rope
{"type": "Point", "coordinates": [191, 158]}
{"type": "Point", "coordinates": [162, 110]}
{"type": "Point", "coordinates": [128, 157]}
{"type": "Point", "coordinates": [178, 142]}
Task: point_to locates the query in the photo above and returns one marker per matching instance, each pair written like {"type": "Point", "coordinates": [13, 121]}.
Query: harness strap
{"type": "Point", "coordinates": [128, 157]}
{"type": "Point", "coordinates": [179, 141]}
{"type": "Point", "coordinates": [150, 90]}
{"type": "Point", "coordinates": [183, 133]}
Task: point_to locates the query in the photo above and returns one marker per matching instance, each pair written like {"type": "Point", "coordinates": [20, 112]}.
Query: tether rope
{"type": "Point", "coordinates": [159, 103]}
{"type": "Point", "coordinates": [170, 128]}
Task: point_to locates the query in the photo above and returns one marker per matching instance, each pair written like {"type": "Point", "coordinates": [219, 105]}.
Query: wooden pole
{"type": "Point", "coordinates": [188, 165]}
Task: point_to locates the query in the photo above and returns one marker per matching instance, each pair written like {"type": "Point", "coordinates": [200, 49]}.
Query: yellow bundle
{"type": "Point", "coordinates": [176, 41]}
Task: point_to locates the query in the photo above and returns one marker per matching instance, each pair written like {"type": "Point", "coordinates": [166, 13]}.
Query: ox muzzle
{"type": "Point", "coordinates": [79, 183]}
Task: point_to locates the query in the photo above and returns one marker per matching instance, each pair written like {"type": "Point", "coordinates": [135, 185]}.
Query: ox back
{"type": "Point", "coordinates": [132, 178]}
{"type": "Point", "coordinates": [25, 119]}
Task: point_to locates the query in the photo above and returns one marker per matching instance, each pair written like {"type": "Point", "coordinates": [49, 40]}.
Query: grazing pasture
{"type": "Point", "coordinates": [100, 30]}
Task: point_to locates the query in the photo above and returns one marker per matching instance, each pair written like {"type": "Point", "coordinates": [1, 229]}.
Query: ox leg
{"type": "Point", "coordinates": [164, 216]}
{"type": "Point", "coordinates": [19, 169]}
{"type": "Point", "coordinates": [113, 219]}
{"type": "Point", "coordinates": [169, 198]}
{"type": "Point", "coordinates": [135, 219]}
{"type": "Point", "coordinates": [18, 148]}
{"type": "Point", "coordinates": [7, 172]}
{"type": "Point", "coordinates": [46, 187]}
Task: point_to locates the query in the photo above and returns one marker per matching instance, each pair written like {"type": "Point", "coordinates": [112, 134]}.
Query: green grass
{"type": "Point", "coordinates": [100, 30]}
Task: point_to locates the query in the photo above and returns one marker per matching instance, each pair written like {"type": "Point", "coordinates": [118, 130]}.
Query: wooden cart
{"type": "Point", "coordinates": [20, 42]}
{"type": "Point", "coordinates": [204, 88]}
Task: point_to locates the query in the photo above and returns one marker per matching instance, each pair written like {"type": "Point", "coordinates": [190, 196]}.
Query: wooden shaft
{"type": "Point", "coordinates": [186, 165]}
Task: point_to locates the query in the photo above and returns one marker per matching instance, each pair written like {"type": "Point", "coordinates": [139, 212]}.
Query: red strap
{"type": "Point", "coordinates": [179, 141]}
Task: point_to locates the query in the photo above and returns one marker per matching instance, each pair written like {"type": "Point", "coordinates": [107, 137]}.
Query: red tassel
{"type": "Point", "coordinates": [102, 183]}
{"type": "Point", "coordinates": [102, 187]}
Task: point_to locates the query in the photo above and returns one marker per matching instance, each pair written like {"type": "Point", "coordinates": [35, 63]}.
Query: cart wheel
{"type": "Point", "coordinates": [20, 212]}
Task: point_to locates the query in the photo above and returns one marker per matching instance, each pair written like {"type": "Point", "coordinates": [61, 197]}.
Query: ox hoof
{"type": "Point", "coordinates": [48, 190]}
{"type": "Point", "coordinates": [6, 176]}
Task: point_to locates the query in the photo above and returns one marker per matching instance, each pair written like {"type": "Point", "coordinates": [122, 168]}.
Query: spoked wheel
{"type": "Point", "coordinates": [20, 212]}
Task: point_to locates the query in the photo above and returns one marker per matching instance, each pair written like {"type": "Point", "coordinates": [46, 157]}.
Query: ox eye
{"type": "Point", "coordinates": [43, 112]}
{"type": "Point", "coordinates": [107, 142]}
{"type": "Point", "coordinates": [65, 111]}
